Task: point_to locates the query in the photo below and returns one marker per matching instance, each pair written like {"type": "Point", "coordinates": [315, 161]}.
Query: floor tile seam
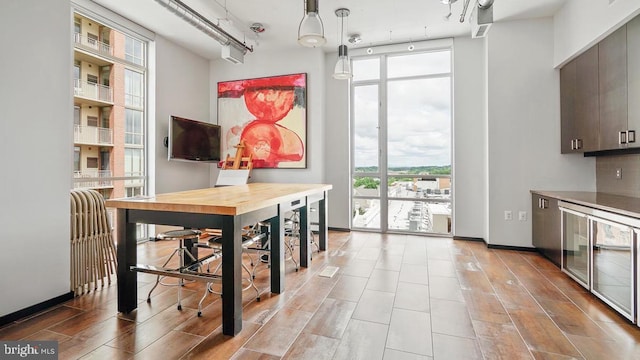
{"type": "Point", "coordinates": [546, 313]}
{"type": "Point", "coordinates": [541, 273]}
{"type": "Point", "coordinates": [295, 339]}
{"type": "Point", "coordinates": [410, 352]}
{"type": "Point", "coordinates": [564, 292]}
{"type": "Point", "coordinates": [288, 346]}
{"type": "Point", "coordinates": [203, 338]}
{"type": "Point", "coordinates": [287, 302]}
{"type": "Point", "coordinates": [501, 303]}
{"type": "Point", "coordinates": [106, 342]}
{"type": "Point", "coordinates": [21, 322]}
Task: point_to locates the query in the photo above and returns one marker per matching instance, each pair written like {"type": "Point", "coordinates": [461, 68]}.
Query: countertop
{"type": "Point", "coordinates": [623, 205]}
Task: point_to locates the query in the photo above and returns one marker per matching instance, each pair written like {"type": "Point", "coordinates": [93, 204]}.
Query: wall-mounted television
{"type": "Point", "coordinates": [193, 140]}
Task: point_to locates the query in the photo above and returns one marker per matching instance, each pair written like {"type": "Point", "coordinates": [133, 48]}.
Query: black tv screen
{"type": "Point", "coordinates": [193, 140]}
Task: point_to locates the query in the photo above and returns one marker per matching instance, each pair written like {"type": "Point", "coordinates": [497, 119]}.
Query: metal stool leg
{"type": "Point", "coordinates": [158, 277]}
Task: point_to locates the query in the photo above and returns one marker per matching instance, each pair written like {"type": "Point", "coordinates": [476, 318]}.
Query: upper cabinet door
{"type": "Point", "coordinates": [633, 76]}
{"type": "Point", "coordinates": [568, 128]}
{"type": "Point", "coordinates": [587, 102]}
{"type": "Point", "coordinates": [579, 104]}
{"type": "Point", "coordinates": [613, 89]}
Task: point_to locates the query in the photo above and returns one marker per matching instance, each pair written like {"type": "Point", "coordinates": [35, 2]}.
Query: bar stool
{"type": "Point", "coordinates": [292, 229]}
{"type": "Point", "coordinates": [215, 243]}
{"type": "Point", "coordinates": [187, 239]}
{"type": "Point", "coordinates": [263, 246]}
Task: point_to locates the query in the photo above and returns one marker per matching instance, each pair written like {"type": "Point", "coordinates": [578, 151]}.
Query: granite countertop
{"type": "Point", "coordinates": [619, 204]}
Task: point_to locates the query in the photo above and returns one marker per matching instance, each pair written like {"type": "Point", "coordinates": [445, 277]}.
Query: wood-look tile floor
{"type": "Point", "coordinates": [394, 297]}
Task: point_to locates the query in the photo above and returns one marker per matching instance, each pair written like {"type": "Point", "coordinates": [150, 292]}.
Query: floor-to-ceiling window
{"type": "Point", "coordinates": [401, 142]}
{"type": "Point", "coordinates": [110, 117]}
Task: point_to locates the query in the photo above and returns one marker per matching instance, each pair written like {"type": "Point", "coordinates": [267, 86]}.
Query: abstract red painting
{"type": "Point", "coordinates": [270, 115]}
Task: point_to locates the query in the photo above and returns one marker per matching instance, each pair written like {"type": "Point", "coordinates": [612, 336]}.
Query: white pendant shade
{"type": "Point", "coordinates": [342, 70]}
{"type": "Point", "coordinates": [311, 29]}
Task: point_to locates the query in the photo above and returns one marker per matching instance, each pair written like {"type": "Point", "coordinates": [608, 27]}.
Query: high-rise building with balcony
{"type": "Point", "coordinates": [109, 88]}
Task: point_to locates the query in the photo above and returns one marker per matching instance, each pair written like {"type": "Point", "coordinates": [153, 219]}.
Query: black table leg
{"type": "Point", "coordinates": [127, 257]}
{"type": "Point", "coordinates": [277, 253]}
{"type": "Point", "coordinates": [305, 254]}
{"type": "Point", "coordinates": [322, 223]}
{"type": "Point", "coordinates": [231, 276]}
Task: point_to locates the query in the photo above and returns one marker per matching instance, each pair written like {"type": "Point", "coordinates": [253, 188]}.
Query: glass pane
{"type": "Point", "coordinates": [612, 275]}
{"type": "Point", "coordinates": [366, 186]}
{"type": "Point", "coordinates": [419, 131]}
{"type": "Point", "coordinates": [365, 120]}
{"type": "Point", "coordinates": [419, 187]}
{"type": "Point", "coordinates": [366, 213]}
{"type": "Point", "coordinates": [366, 69]}
{"type": "Point", "coordinates": [419, 64]}
{"type": "Point", "coordinates": [420, 216]}
{"type": "Point", "coordinates": [575, 246]}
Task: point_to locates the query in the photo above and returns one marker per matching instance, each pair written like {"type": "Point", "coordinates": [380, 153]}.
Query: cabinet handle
{"type": "Point", "coordinates": [622, 137]}
{"type": "Point", "coordinates": [578, 144]}
{"type": "Point", "coordinates": [631, 136]}
{"type": "Point", "coordinates": [573, 144]}
{"type": "Point", "coordinates": [545, 203]}
{"type": "Point", "coordinates": [542, 203]}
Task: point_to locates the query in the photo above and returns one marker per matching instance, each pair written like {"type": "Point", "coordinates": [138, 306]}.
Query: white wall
{"type": "Point", "coordinates": [580, 24]}
{"type": "Point", "coordinates": [182, 89]}
{"type": "Point", "coordinates": [36, 138]}
{"type": "Point", "coordinates": [263, 63]}
{"type": "Point", "coordinates": [337, 146]}
{"type": "Point", "coordinates": [470, 138]}
{"type": "Point", "coordinates": [524, 128]}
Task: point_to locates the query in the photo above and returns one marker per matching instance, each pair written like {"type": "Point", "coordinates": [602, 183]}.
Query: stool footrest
{"type": "Point", "coordinates": [177, 273]}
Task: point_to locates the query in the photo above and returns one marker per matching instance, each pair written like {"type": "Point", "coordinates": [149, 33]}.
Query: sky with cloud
{"type": "Point", "coordinates": [418, 110]}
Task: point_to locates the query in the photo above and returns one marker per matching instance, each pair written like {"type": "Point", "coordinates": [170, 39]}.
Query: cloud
{"type": "Point", "coordinates": [419, 123]}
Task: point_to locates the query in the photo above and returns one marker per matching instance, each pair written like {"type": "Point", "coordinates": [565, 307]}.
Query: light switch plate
{"type": "Point", "coordinates": [522, 216]}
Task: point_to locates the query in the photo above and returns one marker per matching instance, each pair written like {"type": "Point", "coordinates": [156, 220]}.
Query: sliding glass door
{"type": "Point", "coordinates": [401, 175]}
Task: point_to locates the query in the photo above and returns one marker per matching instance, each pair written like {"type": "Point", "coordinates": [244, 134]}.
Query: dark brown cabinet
{"type": "Point", "coordinates": [614, 132]}
{"type": "Point", "coordinates": [579, 103]}
{"type": "Point", "coordinates": [633, 76]}
{"type": "Point", "coordinates": [597, 94]}
{"type": "Point", "coordinates": [546, 229]}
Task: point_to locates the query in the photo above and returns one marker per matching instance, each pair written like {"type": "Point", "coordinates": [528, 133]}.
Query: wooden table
{"type": "Point", "coordinates": [227, 208]}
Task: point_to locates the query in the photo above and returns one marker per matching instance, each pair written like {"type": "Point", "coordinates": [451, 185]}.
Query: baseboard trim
{"type": "Point", "coordinates": [468, 238]}
{"type": "Point", "coordinates": [509, 247]}
{"type": "Point", "coordinates": [339, 229]}
{"type": "Point", "coordinates": [6, 319]}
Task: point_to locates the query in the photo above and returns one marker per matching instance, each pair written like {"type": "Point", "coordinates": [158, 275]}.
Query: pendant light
{"type": "Point", "coordinates": [311, 29]}
{"type": "Point", "coordinates": [342, 70]}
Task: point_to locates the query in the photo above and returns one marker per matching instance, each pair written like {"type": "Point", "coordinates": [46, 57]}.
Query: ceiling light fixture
{"type": "Point", "coordinates": [311, 29]}
{"type": "Point", "coordinates": [355, 39]}
{"type": "Point", "coordinates": [342, 70]}
{"type": "Point", "coordinates": [205, 25]}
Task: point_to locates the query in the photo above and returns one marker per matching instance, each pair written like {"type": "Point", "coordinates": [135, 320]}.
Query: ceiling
{"type": "Point", "coordinates": [377, 21]}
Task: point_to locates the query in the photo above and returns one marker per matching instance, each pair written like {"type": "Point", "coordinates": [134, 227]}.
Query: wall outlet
{"type": "Point", "coordinates": [508, 215]}
{"type": "Point", "coordinates": [618, 173]}
{"type": "Point", "coordinates": [522, 216]}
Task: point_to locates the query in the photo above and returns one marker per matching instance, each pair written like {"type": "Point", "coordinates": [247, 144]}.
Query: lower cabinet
{"type": "Point", "coordinates": [546, 227]}
{"type": "Point", "coordinates": [599, 251]}
{"type": "Point", "coordinates": [576, 257]}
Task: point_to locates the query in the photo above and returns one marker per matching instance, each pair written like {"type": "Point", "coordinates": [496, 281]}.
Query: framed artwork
{"type": "Point", "coordinates": [269, 115]}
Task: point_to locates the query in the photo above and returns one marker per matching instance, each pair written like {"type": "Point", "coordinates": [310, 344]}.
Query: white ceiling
{"type": "Point", "coordinates": [378, 21]}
